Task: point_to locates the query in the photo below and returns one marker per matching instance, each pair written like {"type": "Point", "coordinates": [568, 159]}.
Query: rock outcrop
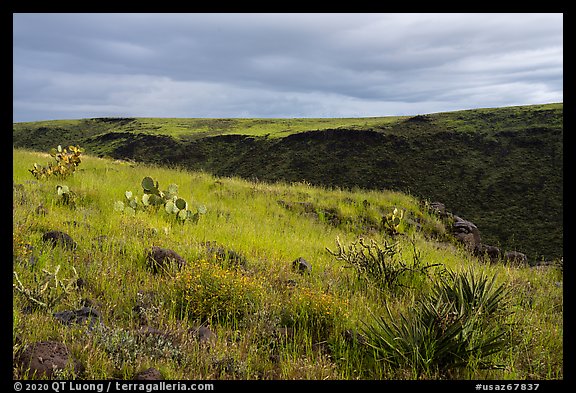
{"type": "Point", "coordinates": [467, 233]}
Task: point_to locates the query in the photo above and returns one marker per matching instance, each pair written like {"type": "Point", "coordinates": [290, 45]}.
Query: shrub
{"type": "Point", "coordinates": [455, 326]}
{"type": "Point", "coordinates": [205, 291]}
{"type": "Point", "coordinates": [380, 264]}
{"type": "Point", "coordinates": [124, 347]}
{"type": "Point", "coordinates": [313, 311]}
{"type": "Point", "coordinates": [66, 162]}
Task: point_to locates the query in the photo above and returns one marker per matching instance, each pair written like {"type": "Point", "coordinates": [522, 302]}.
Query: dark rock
{"type": "Point", "coordinates": [159, 259]}
{"type": "Point", "coordinates": [81, 316]}
{"type": "Point", "coordinates": [515, 258]}
{"type": "Point", "coordinates": [492, 252]}
{"type": "Point", "coordinates": [150, 374]}
{"type": "Point", "coordinates": [80, 283]}
{"type": "Point", "coordinates": [302, 266]}
{"type": "Point", "coordinates": [549, 264]}
{"type": "Point", "coordinates": [45, 358]}
{"type": "Point", "coordinates": [59, 238]}
{"type": "Point", "coordinates": [466, 232]}
{"type": "Point", "coordinates": [438, 207]}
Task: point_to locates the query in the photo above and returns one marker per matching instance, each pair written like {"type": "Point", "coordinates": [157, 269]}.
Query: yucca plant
{"type": "Point", "coordinates": [470, 294]}
{"type": "Point", "coordinates": [455, 326]}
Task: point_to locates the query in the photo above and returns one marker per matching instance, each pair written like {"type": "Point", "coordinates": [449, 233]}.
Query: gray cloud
{"type": "Point", "coordinates": [281, 65]}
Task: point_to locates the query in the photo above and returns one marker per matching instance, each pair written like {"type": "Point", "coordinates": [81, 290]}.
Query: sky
{"type": "Point", "coordinates": [242, 65]}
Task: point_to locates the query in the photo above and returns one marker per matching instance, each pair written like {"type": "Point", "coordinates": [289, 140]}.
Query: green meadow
{"type": "Point", "coordinates": [387, 296]}
{"type": "Point", "coordinates": [500, 168]}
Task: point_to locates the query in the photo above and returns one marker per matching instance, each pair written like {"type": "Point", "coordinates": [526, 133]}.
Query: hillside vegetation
{"type": "Point", "coordinates": [276, 280]}
{"type": "Point", "coordinates": [500, 168]}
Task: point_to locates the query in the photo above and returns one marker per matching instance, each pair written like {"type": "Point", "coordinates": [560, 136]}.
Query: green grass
{"type": "Point", "coordinates": [274, 128]}
{"type": "Point", "coordinates": [473, 120]}
{"type": "Point", "coordinates": [193, 128]}
{"type": "Point", "coordinates": [271, 322]}
{"type": "Point", "coordinates": [501, 168]}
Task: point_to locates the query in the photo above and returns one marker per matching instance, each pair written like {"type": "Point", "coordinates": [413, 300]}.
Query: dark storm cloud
{"type": "Point", "coordinates": [281, 65]}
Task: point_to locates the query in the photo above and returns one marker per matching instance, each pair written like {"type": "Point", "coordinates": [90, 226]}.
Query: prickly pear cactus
{"type": "Point", "coordinates": [66, 162]}
{"type": "Point", "coordinates": [153, 199]}
{"type": "Point", "coordinates": [391, 222]}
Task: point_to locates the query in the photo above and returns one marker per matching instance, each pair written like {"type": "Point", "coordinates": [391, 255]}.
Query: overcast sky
{"type": "Point", "coordinates": [70, 66]}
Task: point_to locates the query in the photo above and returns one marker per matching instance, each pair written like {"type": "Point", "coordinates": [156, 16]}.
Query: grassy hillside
{"type": "Point", "coordinates": [266, 319]}
{"type": "Point", "coordinates": [500, 168]}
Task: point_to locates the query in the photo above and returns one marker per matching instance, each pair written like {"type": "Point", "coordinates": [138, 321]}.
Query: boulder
{"type": "Point", "coordinates": [159, 259]}
{"type": "Point", "coordinates": [59, 238]}
{"type": "Point", "coordinates": [466, 232]}
{"type": "Point", "coordinates": [492, 252]}
{"type": "Point", "coordinates": [82, 316]}
{"type": "Point", "coordinates": [515, 258]}
{"type": "Point", "coordinates": [44, 359]}
{"type": "Point", "coordinates": [438, 208]}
